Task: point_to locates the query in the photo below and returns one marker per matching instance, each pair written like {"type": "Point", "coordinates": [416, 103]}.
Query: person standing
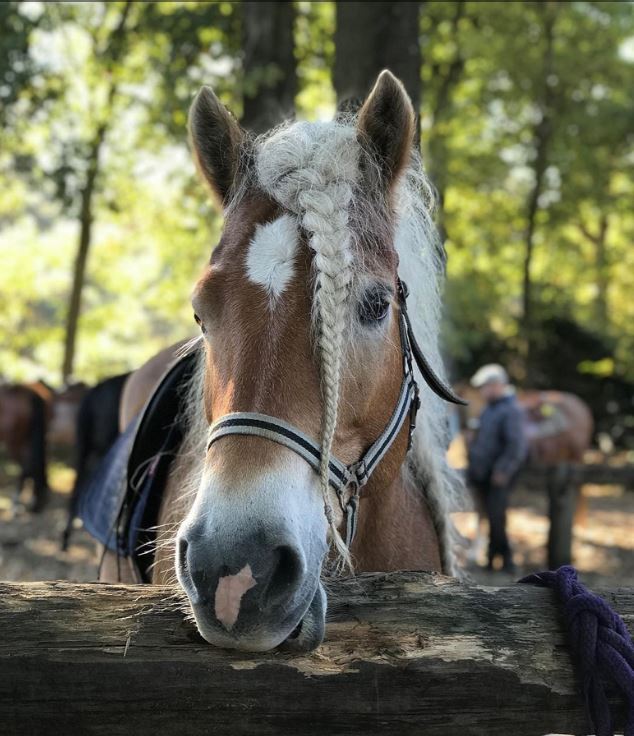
{"type": "Point", "coordinates": [496, 454]}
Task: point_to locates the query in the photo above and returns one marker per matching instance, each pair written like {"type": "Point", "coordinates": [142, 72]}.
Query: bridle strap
{"type": "Point", "coordinates": [432, 379]}
{"type": "Point", "coordinates": [277, 430]}
{"type": "Point", "coordinates": [354, 476]}
{"type": "Point", "coordinates": [341, 476]}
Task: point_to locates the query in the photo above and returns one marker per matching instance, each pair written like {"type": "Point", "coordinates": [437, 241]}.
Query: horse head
{"type": "Point", "coordinates": [299, 312]}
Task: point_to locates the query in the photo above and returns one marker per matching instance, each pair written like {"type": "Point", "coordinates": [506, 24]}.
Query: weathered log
{"type": "Point", "coordinates": [407, 653]}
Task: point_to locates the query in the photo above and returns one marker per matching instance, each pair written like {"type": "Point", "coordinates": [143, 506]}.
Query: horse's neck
{"type": "Point", "coordinates": [395, 531]}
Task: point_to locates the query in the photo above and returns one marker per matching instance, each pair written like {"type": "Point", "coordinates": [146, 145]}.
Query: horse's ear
{"type": "Point", "coordinates": [216, 139]}
{"type": "Point", "coordinates": [388, 123]}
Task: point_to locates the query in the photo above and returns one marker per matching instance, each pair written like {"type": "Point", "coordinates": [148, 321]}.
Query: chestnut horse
{"type": "Point", "coordinates": [301, 313]}
{"type": "Point", "coordinates": [558, 428]}
{"type": "Point", "coordinates": [24, 415]}
{"type": "Point", "coordinates": [558, 425]}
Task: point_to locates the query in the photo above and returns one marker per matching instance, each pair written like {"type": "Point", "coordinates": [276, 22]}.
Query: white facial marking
{"type": "Point", "coordinates": [229, 593]}
{"type": "Point", "coordinates": [271, 257]}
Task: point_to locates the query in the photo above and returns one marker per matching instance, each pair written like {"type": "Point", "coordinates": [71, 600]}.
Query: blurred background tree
{"type": "Point", "coordinates": [526, 118]}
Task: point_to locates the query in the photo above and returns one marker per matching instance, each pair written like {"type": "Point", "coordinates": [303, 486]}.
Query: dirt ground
{"type": "Point", "coordinates": [30, 544]}
{"type": "Point", "coordinates": [603, 543]}
{"type": "Point", "coordinates": [603, 548]}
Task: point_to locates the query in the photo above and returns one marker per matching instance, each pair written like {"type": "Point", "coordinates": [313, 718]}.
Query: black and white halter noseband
{"type": "Point", "coordinates": [349, 479]}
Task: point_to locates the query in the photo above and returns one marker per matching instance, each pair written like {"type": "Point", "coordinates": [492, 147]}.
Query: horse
{"type": "Point", "coordinates": [97, 427]}
{"type": "Point", "coordinates": [62, 429]}
{"type": "Point", "coordinates": [304, 453]}
{"type": "Point", "coordinates": [24, 416]}
{"type": "Point", "coordinates": [558, 427]}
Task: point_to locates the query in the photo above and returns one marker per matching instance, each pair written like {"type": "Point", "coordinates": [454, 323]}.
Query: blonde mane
{"type": "Point", "coordinates": [421, 263]}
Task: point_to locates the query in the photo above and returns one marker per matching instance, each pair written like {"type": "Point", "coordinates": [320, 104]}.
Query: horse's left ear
{"type": "Point", "coordinates": [387, 121]}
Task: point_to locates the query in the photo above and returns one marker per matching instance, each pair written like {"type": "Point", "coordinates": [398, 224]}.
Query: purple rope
{"type": "Point", "coordinates": [601, 646]}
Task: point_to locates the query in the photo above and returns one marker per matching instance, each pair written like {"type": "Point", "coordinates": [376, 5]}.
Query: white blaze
{"type": "Point", "coordinates": [271, 257]}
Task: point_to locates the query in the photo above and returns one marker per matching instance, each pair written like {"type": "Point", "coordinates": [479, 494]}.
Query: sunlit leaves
{"type": "Point", "coordinates": [479, 146]}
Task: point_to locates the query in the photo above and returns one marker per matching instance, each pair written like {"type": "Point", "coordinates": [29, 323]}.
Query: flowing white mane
{"type": "Point", "coordinates": [421, 264]}
{"type": "Point", "coordinates": [313, 171]}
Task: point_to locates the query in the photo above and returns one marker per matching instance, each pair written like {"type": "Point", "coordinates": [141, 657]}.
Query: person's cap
{"type": "Point", "coordinates": [491, 373]}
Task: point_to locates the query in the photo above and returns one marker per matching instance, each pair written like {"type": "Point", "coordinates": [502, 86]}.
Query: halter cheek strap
{"type": "Point", "coordinates": [351, 477]}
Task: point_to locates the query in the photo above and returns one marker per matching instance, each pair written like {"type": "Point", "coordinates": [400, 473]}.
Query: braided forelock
{"type": "Point", "coordinates": [311, 170]}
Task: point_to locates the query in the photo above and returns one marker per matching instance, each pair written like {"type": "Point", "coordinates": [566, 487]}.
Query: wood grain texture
{"type": "Point", "coordinates": [406, 653]}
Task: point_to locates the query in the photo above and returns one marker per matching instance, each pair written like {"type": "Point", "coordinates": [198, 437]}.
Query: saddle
{"type": "Point", "coordinates": [120, 506]}
{"type": "Point", "coordinates": [545, 420]}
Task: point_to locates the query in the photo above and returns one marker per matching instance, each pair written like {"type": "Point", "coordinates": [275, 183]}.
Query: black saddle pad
{"type": "Point", "coordinates": [121, 504]}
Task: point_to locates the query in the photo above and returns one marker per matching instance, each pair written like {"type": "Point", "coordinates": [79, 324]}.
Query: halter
{"type": "Point", "coordinates": [349, 478]}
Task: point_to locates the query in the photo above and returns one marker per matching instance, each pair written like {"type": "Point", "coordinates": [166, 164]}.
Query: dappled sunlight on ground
{"type": "Point", "coordinates": [603, 548]}
{"type": "Point", "coordinates": [30, 544]}
{"type": "Point", "coordinates": [603, 545]}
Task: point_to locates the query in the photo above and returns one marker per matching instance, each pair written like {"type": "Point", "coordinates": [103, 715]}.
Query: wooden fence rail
{"type": "Point", "coordinates": [407, 653]}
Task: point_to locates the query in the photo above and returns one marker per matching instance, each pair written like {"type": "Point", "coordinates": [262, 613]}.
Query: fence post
{"type": "Point", "coordinates": [562, 495]}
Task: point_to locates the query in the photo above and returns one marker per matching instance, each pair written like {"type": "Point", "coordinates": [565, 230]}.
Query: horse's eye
{"type": "Point", "coordinates": [199, 322]}
{"type": "Point", "coordinates": [374, 306]}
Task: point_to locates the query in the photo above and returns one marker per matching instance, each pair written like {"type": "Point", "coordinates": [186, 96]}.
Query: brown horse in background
{"type": "Point", "coordinates": [62, 428]}
{"type": "Point", "coordinates": [25, 411]}
{"type": "Point", "coordinates": [558, 425]}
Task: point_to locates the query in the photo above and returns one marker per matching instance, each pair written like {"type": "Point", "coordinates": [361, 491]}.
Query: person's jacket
{"type": "Point", "coordinates": [500, 445]}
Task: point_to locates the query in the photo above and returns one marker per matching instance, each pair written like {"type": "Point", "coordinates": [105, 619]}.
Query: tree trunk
{"type": "Point", "coordinates": [541, 142]}
{"type": "Point", "coordinates": [601, 265]}
{"type": "Point", "coordinates": [270, 74]}
{"type": "Point", "coordinates": [405, 653]}
{"type": "Point", "coordinates": [112, 52]}
{"type": "Point", "coordinates": [441, 111]}
{"type": "Point", "coordinates": [79, 271]}
{"type": "Point", "coordinates": [374, 36]}
{"type": "Point", "coordinates": [541, 138]}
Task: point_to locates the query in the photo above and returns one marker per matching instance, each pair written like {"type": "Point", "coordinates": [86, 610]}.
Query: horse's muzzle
{"type": "Point", "coordinates": [252, 592]}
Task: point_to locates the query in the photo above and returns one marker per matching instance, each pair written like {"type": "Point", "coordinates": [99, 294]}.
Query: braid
{"type": "Point", "coordinates": [330, 241]}
{"type": "Point", "coordinates": [313, 178]}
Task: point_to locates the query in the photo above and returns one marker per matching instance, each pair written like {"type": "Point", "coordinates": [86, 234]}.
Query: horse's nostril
{"type": "Point", "coordinates": [183, 563]}
{"type": "Point", "coordinates": [287, 572]}
{"type": "Point", "coordinates": [296, 631]}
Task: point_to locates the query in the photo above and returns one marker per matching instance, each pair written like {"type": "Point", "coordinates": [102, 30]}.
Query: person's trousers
{"type": "Point", "coordinates": [494, 500]}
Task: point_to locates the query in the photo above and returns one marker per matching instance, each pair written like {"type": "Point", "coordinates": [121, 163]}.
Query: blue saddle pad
{"type": "Point", "coordinates": [100, 503]}
{"type": "Point", "coordinates": [120, 505]}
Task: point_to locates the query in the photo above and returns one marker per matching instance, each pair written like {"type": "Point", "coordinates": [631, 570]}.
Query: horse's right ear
{"type": "Point", "coordinates": [216, 139]}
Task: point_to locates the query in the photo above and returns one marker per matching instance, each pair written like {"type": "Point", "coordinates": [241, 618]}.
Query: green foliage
{"type": "Point", "coordinates": [315, 53]}
{"type": "Point", "coordinates": [153, 224]}
{"type": "Point", "coordinates": [16, 64]}
{"type": "Point", "coordinates": [486, 87]}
